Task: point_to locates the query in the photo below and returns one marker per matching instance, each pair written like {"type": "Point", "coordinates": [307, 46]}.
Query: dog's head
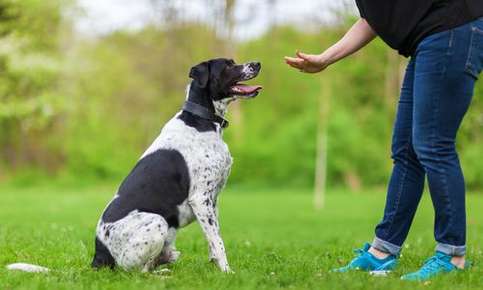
{"type": "Point", "coordinates": [222, 79]}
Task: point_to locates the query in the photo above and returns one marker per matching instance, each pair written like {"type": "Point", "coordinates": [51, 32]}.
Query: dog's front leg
{"type": "Point", "coordinates": [211, 254]}
{"type": "Point", "coordinates": [206, 215]}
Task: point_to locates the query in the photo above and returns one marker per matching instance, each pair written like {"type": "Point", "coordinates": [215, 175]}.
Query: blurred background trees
{"type": "Point", "coordinates": [30, 73]}
{"type": "Point", "coordinates": [83, 107]}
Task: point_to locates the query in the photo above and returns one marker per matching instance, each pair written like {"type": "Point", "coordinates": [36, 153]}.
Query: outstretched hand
{"type": "Point", "coordinates": [308, 63]}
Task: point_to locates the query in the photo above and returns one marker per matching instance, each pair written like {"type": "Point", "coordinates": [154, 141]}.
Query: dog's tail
{"type": "Point", "coordinates": [27, 268]}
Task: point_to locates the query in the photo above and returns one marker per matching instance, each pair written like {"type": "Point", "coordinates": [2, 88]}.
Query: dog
{"type": "Point", "coordinates": [178, 178]}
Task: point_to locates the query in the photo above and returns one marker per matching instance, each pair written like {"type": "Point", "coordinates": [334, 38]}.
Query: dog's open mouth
{"type": "Point", "coordinates": [245, 90]}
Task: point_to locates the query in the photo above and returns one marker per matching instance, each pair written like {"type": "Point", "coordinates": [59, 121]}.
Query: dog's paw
{"type": "Point", "coordinates": [168, 257]}
{"type": "Point", "coordinates": [227, 270]}
{"type": "Point", "coordinates": [174, 256]}
{"type": "Point", "coordinates": [222, 264]}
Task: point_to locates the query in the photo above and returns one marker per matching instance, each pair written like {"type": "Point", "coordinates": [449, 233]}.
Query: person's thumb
{"type": "Point", "coordinates": [305, 56]}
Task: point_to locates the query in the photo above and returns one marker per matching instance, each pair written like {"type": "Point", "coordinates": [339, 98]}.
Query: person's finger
{"type": "Point", "coordinates": [304, 56]}
{"type": "Point", "coordinates": [295, 65]}
{"type": "Point", "coordinates": [294, 59]}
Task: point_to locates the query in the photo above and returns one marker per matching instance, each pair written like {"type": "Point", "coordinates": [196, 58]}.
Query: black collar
{"type": "Point", "coordinates": [203, 112]}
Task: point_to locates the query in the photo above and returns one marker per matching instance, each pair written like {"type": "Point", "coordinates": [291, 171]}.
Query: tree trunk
{"type": "Point", "coordinates": [320, 185]}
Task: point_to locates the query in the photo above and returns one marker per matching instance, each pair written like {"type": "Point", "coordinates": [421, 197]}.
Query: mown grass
{"type": "Point", "coordinates": [274, 238]}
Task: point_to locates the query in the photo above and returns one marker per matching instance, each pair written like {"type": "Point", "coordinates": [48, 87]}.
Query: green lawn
{"type": "Point", "coordinates": [274, 240]}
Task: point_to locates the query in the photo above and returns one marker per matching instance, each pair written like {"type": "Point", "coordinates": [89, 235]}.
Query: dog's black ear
{"type": "Point", "coordinates": [201, 74]}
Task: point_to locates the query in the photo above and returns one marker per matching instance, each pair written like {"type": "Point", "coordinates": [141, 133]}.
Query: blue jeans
{"type": "Point", "coordinates": [436, 93]}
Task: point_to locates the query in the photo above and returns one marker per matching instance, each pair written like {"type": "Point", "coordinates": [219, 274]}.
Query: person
{"type": "Point", "coordinates": [444, 40]}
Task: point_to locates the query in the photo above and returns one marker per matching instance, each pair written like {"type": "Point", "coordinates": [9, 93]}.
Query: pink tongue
{"type": "Point", "coordinates": [246, 89]}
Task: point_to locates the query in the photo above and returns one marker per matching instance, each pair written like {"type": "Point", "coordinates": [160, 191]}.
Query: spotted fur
{"type": "Point", "coordinates": [136, 239]}
{"type": "Point", "coordinates": [176, 181]}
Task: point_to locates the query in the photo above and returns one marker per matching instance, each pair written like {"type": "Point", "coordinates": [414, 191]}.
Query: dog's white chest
{"type": "Point", "coordinates": [207, 157]}
{"type": "Point", "coordinates": [209, 164]}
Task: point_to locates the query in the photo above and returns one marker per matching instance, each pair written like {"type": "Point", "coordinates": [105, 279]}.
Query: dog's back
{"type": "Point", "coordinates": [158, 184]}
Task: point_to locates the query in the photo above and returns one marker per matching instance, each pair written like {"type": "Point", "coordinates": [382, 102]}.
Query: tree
{"type": "Point", "coordinates": [30, 69]}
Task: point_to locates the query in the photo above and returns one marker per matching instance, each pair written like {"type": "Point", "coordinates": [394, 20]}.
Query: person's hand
{"type": "Point", "coordinates": [308, 63]}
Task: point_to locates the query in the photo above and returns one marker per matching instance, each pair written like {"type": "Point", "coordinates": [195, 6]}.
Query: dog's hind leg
{"type": "Point", "coordinates": [169, 253]}
{"type": "Point", "coordinates": [102, 256]}
{"type": "Point", "coordinates": [141, 240]}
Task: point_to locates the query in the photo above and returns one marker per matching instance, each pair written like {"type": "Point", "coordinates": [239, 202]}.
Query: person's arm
{"type": "Point", "coordinates": [356, 38]}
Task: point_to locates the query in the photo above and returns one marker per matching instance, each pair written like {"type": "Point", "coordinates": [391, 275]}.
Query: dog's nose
{"type": "Point", "coordinates": [256, 65]}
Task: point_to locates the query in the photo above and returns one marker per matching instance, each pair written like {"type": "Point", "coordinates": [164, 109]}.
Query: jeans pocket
{"type": "Point", "coordinates": [432, 54]}
{"type": "Point", "coordinates": [474, 62]}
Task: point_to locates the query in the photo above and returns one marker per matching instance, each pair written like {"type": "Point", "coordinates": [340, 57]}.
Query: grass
{"type": "Point", "coordinates": [274, 238]}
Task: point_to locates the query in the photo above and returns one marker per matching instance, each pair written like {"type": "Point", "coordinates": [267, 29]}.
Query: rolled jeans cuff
{"type": "Point", "coordinates": [386, 247]}
{"type": "Point", "coordinates": [450, 250]}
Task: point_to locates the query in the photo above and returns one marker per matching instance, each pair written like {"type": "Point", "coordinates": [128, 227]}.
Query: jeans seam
{"type": "Point", "coordinates": [400, 189]}
{"type": "Point", "coordinates": [468, 64]}
{"type": "Point", "coordinates": [450, 44]}
{"type": "Point", "coordinates": [438, 159]}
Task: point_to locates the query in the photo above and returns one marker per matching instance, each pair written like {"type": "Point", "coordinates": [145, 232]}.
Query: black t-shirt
{"type": "Point", "coordinates": [402, 24]}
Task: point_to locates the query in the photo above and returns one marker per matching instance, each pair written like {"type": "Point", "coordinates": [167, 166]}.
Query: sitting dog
{"type": "Point", "coordinates": [178, 178]}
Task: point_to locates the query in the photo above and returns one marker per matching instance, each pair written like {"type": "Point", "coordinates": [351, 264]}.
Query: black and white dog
{"type": "Point", "coordinates": [178, 178]}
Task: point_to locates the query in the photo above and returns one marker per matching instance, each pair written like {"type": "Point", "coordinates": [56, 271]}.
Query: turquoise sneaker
{"type": "Point", "coordinates": [438, 264]}
{"type": "Point", "coordinates": [365, 261]}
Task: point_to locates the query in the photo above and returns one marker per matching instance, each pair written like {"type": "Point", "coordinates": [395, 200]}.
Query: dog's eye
{"type": "Point", "coordinates": [231, 62]}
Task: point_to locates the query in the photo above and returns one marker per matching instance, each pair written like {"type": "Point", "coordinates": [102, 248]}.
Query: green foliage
{"type": "Point", "coordinates": [30, 68]}
{"type": "Point", "coordinates": [125, 87]}
{"type": "Point", "coordinates": [84, 108]}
